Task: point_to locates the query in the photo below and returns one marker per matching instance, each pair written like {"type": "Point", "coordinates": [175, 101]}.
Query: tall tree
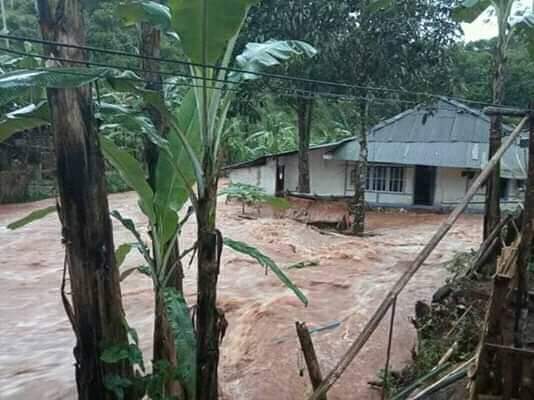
{"type": "Point", "coordinates": [472, 71]}
{"type": "Point", "coordinates": [415, 35]}
{"type": "Point", "coordinates": [319, 23]}
{"type": "Point", "coordinates": [507, 26]}
{"type": "Point", "coordinates": [96, 314]}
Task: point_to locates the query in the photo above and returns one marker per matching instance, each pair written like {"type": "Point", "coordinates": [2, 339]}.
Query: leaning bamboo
{"type": "Point", "coordinates": [375, 320]}
{"type": "Point", "coordinates": [462, 370]}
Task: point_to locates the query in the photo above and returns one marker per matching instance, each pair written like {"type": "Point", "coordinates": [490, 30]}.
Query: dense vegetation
{"type": "Point", "coordinates": [267, 123]}
{"type": "Point", "coordinates": [168, 127]}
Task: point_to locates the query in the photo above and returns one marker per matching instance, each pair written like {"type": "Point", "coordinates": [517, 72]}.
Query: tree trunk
{"type": "Point", "coordinates": [304, 119]}
{"type": "Point", "coordinates": [209, 320]}
{"type": "Point", "coordinates": [525, 247]}
{"type": "Point", "coordinates": [98, 317]}
{"type": "Point", "coordinates": [151, 47]}
{"type": "Point", "coordinates": [163, 338]}
{"type": "Point", "coordinates": [493, 208]}
{"type": "Point", "coordinates": [360, 178]}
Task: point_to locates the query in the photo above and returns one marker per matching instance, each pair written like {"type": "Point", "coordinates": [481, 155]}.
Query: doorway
{"type": "Point", "coordinates": [280, 180]}
{"type": "Point", "coordinates": [425, 179]}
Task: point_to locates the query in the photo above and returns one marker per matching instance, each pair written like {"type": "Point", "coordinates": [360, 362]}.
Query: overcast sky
{"type": "Point", "coordinates": [485, 27]}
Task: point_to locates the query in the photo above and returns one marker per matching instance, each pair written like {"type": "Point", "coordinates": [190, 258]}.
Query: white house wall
{"type": "Point", "coordinates": [248, 176]}
{"type": "Point", "coordinates": [332, 178]}
{"type": "Point", "coordinates": [263, 176]}
{"type": "Point", "coordinates": [268, 177]}
{"type": "Point", "coordinates": [327, 177]}
{"type": "Point", "coordinates": [451, 186]}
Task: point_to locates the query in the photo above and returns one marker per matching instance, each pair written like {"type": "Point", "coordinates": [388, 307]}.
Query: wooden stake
{"type": "Point", "coordinates": [377, 317]}
{"type": "Point", "coordinates": [489, 244]}
{"type": "Point", "coordinates": [312, 364]}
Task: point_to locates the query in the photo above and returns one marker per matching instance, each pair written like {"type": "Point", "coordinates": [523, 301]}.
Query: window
{"type": "Point", "coordinates": [396, 179]}
{"type": "Point", "coordinates": [379, 179]}
{"type": "Point", "coordinates": [385, 179]}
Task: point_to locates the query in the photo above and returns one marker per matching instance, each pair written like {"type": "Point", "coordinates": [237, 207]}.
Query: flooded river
{"type": "Point", "coordinates": [259, 360]}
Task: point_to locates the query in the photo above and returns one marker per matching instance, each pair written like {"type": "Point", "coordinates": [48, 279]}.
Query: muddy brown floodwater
{"type": "Point", "coordinates": [259, 358]}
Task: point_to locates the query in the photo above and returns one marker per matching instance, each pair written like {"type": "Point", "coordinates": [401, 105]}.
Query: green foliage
{"type": "Point", "coordinates": [28, 117]}
{"type": "Point", "coordinates": [414, 35]}
{"type": "Point", "coordinates": [132, 172]}
{"type": "Point", "coordinates": [258, 56]}
{"type": "Point", "coordinates": [319, 23]}
{"type": "Point", "coordinates": [140, 245]}
{"type": "Point", "coordinates": [15, 84]}
{"type": "Point", "coordinates": [117, 385]}
{"type": "Point", "coordinates": [32, 217]}
{"type": "Point", "coordinates": [272, 132]}
{"type": "Point", "coordinates": [152, 384]}
{"type": "Point", "coordinates": [115, 183]}
{"type": "Point", "coordinates": [150, 12]}
{"type": "Point", "coordinates": [123, 352]}
{"type": "Point", "coordinates": [206, 26]}
{"type": "Point", "coordinates": [266, 262]}
{"type": "Point", "coordinates": [184, 339]}
{"type": "Point", "coordinates": [121, 252]}
{"type": "Point", "coordinates": [469, 10]}
{"type": "Point", "coordinates": [252, 195]}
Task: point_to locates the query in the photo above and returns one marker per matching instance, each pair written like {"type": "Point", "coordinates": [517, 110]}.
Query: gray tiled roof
{"type": "Point", "coordinates": [449, 134]}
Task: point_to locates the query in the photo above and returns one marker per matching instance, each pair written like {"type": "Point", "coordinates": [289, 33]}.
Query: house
{"type": "Point", "coordinates": [426, 157]}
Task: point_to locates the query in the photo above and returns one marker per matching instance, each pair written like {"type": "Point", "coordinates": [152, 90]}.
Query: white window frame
{"type": "Point", "coordinates": [386, 179]}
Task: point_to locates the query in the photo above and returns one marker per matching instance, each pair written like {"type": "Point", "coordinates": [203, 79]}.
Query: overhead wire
{"type": "Point", "coordinates": [238, 70]}
{"type": "Point", "coordinates": [286, 92]}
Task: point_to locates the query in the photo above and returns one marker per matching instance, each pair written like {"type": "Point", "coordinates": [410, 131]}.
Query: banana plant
{"type": "Point", "coordinates": [208, 31]}
{"type": "Point", "coordinates": [190, 156]}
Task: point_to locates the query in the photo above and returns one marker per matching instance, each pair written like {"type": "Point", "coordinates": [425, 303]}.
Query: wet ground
{"type": "Point", "coordinates": [259, 356]}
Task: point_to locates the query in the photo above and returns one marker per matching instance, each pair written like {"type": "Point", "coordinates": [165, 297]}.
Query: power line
{"type": "Point", "coordinates": [114, 66]}
{"type": "Point", "coordinates": [284, 92]}
{"type": "Point", "coordinates": [295, 92]}
{"type": "Point", "coordinates": [237, 70]}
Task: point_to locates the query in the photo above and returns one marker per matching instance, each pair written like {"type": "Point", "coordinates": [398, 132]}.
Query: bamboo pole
{"type": "Point", "coordinates": [462, 370]}
{"type": "Point", "coordinates": [312, 363]}
{"type": "Point", "coordinates": [375, 320]}
{"type": "Point", "coordinates": [385, 386]}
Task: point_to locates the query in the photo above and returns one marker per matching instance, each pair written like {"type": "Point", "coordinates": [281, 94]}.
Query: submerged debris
{"type": "Point", "coordinates": [448, 333]}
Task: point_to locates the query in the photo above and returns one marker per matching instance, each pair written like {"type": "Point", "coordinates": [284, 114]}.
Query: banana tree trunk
{"type": "Point", "coordinates": [163, 339]}
{"type": "Point", "coordinates": [209, 321]}
{"type": "Point", "coordinates": [97, 314]}
{"type": "Point", "coordinates": [164, 348]}
{"type": "Point", "coordinates": [304, 118]}
{"type": "Point", "coordinates": [358, 200]}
